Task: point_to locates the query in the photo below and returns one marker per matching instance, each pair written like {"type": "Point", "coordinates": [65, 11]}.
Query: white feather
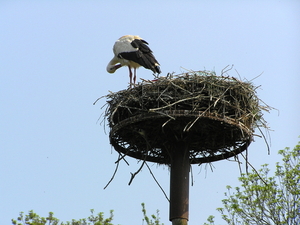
{"type": "Point", "coordinates": [123, 44]}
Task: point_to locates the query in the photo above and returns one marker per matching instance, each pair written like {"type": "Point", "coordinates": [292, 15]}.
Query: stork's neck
{"type": "Point", "coordinates": [112, 66]}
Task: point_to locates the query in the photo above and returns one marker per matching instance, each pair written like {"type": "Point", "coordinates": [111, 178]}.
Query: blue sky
{"type": "Point", "coordinates": [55, 155]}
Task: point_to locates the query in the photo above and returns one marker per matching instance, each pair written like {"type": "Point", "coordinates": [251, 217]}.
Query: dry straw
{"type": "Point", "coordinates": [215, 116]}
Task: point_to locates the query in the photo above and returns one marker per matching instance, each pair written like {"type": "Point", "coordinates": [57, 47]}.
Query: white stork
{"type": "Point", "coordinates": [132, 51]}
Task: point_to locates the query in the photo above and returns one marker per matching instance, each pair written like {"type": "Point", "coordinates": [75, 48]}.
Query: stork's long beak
{"type": "Point", "coordinates": [117, 66]}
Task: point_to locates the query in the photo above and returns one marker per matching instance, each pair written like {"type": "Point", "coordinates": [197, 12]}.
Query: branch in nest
{"type": "Point", "coordinates": [158, 183]}
{"type": "Point", "coordinates": [134, 174]}
{"type": "Point", "coordinates": [113, 173]}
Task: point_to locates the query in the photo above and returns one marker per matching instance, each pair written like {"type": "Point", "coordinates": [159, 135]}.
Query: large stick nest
{"type": "Point", "coordinates": [215, 116]}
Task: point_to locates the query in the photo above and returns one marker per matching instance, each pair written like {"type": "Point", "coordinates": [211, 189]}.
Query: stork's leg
{"type": "Point", "coordinates": [134, 77]}
{"type": "Point", "coordinates": [130, 75]}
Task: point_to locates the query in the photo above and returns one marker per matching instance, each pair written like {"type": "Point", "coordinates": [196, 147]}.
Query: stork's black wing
{"type": "Point", "coordinates": [143, 56]}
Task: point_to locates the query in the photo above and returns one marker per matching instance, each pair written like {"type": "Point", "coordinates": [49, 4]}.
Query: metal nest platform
{"type": "Point", "coordinates": [214, 116]}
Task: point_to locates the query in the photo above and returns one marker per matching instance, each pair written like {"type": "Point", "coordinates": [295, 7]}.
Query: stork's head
{"type": "Point", "coordinates": [112, 68]}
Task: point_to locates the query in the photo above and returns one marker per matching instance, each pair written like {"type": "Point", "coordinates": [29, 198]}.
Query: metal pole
{"type": "Point", "coordinates": [179, 185]}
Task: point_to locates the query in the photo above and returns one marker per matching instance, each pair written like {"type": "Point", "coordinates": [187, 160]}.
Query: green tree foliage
{"type": "Point", "coordinates": [149, 221]}
{"type": "Point", "coordinates": [264, 199]}
{"type": "Point", "coordinates": [34, 219]}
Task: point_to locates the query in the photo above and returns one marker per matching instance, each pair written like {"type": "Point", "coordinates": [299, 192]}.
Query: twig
{"type": "Point", "coordinates": [157, 182]}
{"type": "Point", "coordinates": [181, 88]}
{"type": "Point", "coordinates": [171, 117]}
{"type": "Point", "coordinates": [238, 160]}
{"type": "Point", "coordinates": [122, 158]}
{"type": "Point", "coordinates": [254, 170]}
{"type": "Point", "coordinates": [225, 70]}
{"type": "Point", "coordinates": [98, 100]}
{"type": "Point", "coordinates": [265, 140]}
{"type": "Point", "coordinates": [113, 174]}
{"type": "Point", "coordinates": [256, 76]}
{"type": "Point", "coordinates": [174, 103]}
{"type": "Point", "coordinates": [144, 136]}
{"type": "Point", "coordinates": [134, 174]}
